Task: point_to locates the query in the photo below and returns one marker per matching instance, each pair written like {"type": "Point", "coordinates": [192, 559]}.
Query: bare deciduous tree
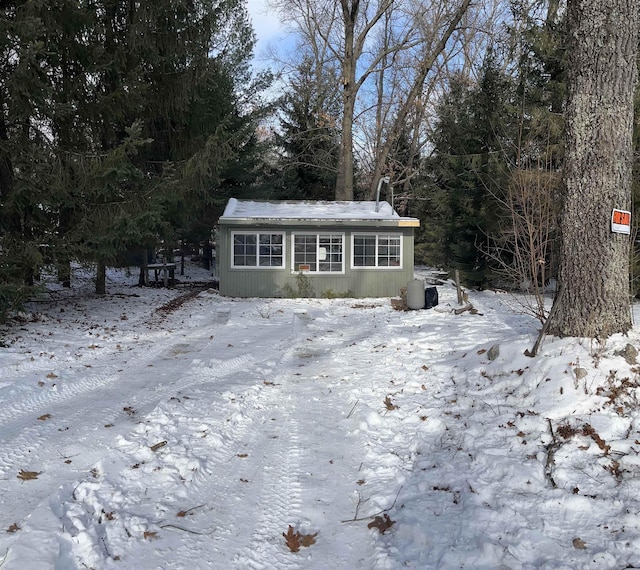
{"type": "Point", "coordinates": [365, 39]}
{"type": "Point", "coordinates": [522, 252]}
{"type": "Point", "coordinates": [436, 27]}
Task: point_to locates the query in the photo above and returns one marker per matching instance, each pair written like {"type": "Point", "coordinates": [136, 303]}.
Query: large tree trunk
{"type": "Point", "coordinates": [344, 181]}
{"type": "Point", "coordinates": [594, 261]}
{"type": "Point", "coordinates": [101, 278]}
{"type": "Point", "coordinates": [64, 271]}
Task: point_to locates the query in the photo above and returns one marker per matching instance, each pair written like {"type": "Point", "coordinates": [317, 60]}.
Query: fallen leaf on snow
{"type": "Point", "coordinates": [150, 535]}
{"type": "Point", "coordinates": [389, 405]}
{"type": "Point", "coordinates": [292, 539]}
{"type": "Point", "coordinates": [579, 544]}
{"type": "Point", "coordinates": [28, 475]}
{"type": "Point", "coordinates": [307, 540]}
{"type": "Point", "coordinates": [382, 523]}
{"type": "Point", "coordinates": [51, 375]}
{"type": "Point", "coordinates": [13, 528]}
{"type": "Point", "coordinates": [295, 539]}
{"type": "Point", "coordinates": [44, 417]}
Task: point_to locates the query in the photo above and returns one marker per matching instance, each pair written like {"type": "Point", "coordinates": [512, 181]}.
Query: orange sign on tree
{"type": "Point", "coordinates": [621, 222]}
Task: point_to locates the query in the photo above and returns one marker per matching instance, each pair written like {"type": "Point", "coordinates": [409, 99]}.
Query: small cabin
{"type": "Point", "coordinates": [314, 249]}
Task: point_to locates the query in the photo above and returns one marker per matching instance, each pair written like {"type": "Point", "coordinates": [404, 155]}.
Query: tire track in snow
{"type": "Point", "coordinates": [263, 441]}
{"type": "Point", "coordinates": [23, 443]}
{"type": "Point", "coordinates": [279, 472]}
{"type": "Point", "coordinates": [212, 372]}
{"type": "Point", "coordinates": [252, 404]}
{"type": "Point", "coordinates": [141, 356]}
{"type": "Point", "coordinates": [275, 473]}
{"type": "Point", "coordinates": [280, 502]}
{"type": "Point", "coordinates": [63, 391]}
{"type": "Point", "coordinates": [294, 485]}
{"type": "Point", "coordinates": [63, 356]}
{"type": "Point", "coordinates": [52, 396]}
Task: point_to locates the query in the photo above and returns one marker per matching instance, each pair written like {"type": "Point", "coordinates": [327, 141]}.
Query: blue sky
{"type": "Point", "coordinates": [265, 23]}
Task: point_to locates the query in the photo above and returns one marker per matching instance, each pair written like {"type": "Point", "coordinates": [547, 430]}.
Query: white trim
{"type": "Point", "coordinates": [377, 235]}
{"type": "Point", "coordinates": [318, 248]}
{"type": "Point", "coordinates": [257, 234]}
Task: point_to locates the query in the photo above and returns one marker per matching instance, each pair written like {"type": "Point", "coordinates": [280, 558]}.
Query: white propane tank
{"type": "Point", "coordinates": [415, 294]}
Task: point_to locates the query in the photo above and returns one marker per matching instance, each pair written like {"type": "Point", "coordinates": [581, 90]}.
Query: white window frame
{"type": "Point", "coordinates": [318, 252]}
{"type": "Point", "coordinates": [257, 234]}
{"type": "Point", "coordinates": [377, 236]}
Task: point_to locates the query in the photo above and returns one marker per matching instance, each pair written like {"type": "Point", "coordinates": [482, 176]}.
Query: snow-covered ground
{"type": "Point", "coordinates": [176, 429]}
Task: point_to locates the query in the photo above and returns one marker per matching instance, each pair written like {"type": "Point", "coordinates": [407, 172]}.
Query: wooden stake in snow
{"type": "Point", "coordinates": [458, 288]}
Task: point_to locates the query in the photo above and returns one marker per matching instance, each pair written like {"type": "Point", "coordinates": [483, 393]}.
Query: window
{"type": "Point", "coordinates": [258, 250]}
{"type": "Point", "coordinates": [364, 251]}
{"type": "Point", "coordinates": [377, 250]}
{"type": "Point", "coordinates": [318, 253]}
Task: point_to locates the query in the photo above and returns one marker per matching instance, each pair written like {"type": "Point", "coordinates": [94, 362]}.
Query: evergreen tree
{"type": "Point", "coordinates": [493, 136]}
{"type": "Point", "coordinates": [540, 70]}
{"type": "Point", "coordinates": [463, 173]}
{"type": "Point", "coordinates": [25, 151]}
{"type": "Point", "coordinates": [309, 138]}
{"type": "Point", "coordinates": [118, 122]}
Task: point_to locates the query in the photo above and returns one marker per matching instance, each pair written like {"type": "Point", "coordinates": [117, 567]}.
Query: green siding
{"type": "Point", "coordinates": [277, 282]}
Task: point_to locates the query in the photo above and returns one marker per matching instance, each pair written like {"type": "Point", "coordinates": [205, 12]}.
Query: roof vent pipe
{"type": "Point", "coordinates": [386, 180]}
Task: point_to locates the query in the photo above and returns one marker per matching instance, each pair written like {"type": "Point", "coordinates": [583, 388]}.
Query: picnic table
{"type": "Point", "coordinates": [167, 269]}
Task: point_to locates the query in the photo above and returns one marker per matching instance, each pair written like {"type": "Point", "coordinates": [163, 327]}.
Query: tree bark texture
{"type": "Point", "coordinates": [344, 181]}
{"type": "Point", "coordinates": [101, 278]}
{"type": "Point", "coordinates": [594, 261]}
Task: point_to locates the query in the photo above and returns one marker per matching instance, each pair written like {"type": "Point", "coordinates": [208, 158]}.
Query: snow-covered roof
{"type": "Point", "coordinates": [309, 210]}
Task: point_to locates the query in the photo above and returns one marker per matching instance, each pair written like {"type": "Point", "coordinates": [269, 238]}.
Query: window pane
{"type": "Point", "coordinates": [388, 251]}
{"type": "Point", "coordinates": [333, 247]}
{"type": "Point", "coordinates": [304, 251]}
{"type": "Point", "coordinates": [376, 250]}
{"type": "Point", "coordinates": [364, 251]}
{"type": "Point", "coordinates": [318, 252]}
{"type": "Point", "coordinates": [244, 250]}
{"type": "Point", "coordinates": [271, 250]}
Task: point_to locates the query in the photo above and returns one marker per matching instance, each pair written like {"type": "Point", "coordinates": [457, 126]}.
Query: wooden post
{"type": "Point", "coordinates": [165, 272]}
{"type": "Point", "coordinates": [458, 288]}
{"type": "Point", "coordinates": [144, 272]}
